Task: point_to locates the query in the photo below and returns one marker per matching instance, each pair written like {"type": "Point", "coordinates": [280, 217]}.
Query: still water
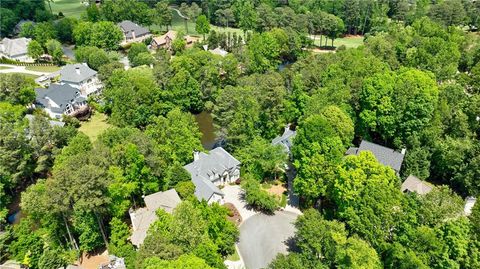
{"type": "Point", "coordinates": [205, 124]}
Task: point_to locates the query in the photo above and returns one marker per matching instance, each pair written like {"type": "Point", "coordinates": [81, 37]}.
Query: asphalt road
{"type": "Point", "coordinates": [262, 237]}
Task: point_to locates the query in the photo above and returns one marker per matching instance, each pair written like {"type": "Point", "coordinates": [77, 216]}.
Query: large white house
{"type": "Point", "coordinates": [60, 99]}
{"type": "Point", "coordinates": [81, 77]}
{"type": "Point", "coordinates": [208, 171]}
{"type": "Point", "coordinates": [15, 49]}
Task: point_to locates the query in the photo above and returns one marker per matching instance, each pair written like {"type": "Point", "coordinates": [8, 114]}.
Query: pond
{"type": "Point", "coordinates": [205, 124]}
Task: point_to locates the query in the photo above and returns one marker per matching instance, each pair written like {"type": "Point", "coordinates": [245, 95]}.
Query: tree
{"type": "Point", "coordinates": [51, 258]}
{"type": "Point", "coordinates": [7, 21]}
{"type": "Point", "coordinates": [44, 31]}
{"type": "Point", "coordinates": [102, 34]}
{"type": "Point", "coordinates": [449, 12]}
{"type": "Point", "coordinates": [34, 50]}
{"type": "Point", "coordinates": [64, 29]}
{"type": "Point", "coordinates": [263, 53]}
{"type": "Point", "coordinates": [136, 49]}
{"type": "Point", "coordinates": [247, 17]}
{"type": "Point", "coordinates": [262, 160]}
{"type": "Point", "coordinates": [27, 245]}
{"type": "Point", "coordinates": [368, 198]}
{"type": "Point", "coordinates": [119, 244]}
{"type": "Point", "coordinates": [163, 14]}
{"type": "Point", "coordinates": [357, 254]}
{"type": "Point", "coordinates": [93, 56]}
{"type": "Point", "coordinates": [177, 136]}
{"type": "Point", "coordinates": [257, 197]}
{"type": "Point", "coordinates": [54, 48]}
{"type": "Point", "coordinates": [439, 205]}
{"type": "Point", "coordinates": [202, 25]}
{"type": "Point", "coordinates": [184, 262]}
{"type": "Point", "coordinates": [16, 89]}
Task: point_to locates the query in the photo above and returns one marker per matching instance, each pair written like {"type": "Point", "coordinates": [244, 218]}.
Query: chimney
{"type": "Point", "coordinates": [196, 155]}
{"type": "Point", "coordinates": [77, 70]}
{"type": "Point", "coordinates": [404, 151]}
{"type": "Point", "coordinates": [133, 34]}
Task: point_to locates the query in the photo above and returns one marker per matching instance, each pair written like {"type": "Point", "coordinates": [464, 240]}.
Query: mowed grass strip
{"type": "Point", "coordinates": [69, 8]}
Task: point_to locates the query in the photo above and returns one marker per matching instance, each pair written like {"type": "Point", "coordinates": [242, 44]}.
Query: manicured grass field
{"type": "Point", "coordinates": [27, 75]}
{"type": "Point", "coordinates": [178, 24]}
{"type": "Point", "coordinates": [4, 67]}
{"type": "Point", "coordinates": [349, 41]}
{"type": "Point", "coordinates": [47, 69]}
{"type": "Point", "coordinates": [69, 8]}
{"type": "Point", "coordinates": [95, 126]}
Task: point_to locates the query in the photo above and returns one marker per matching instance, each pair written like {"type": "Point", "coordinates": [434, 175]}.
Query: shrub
{"type": "Point", "coordinates": [258, 198]}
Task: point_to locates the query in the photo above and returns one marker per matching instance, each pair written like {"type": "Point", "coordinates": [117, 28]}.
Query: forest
{"type": "Point", "coordinates": [413, 84]}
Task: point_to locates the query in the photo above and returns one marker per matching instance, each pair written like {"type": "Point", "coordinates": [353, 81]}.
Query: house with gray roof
{"type": "Point", "coordinates": [133, 32]}
{"type": "Point", "coordinates": [286, 139]}
{"type": "Point", "coordinates": [15, 49]}
{"type": "Point", "coordinates": [384, 155]}
{"type": "Point", "coordinates": [82, 77]}
{"type": "Point", "coordinates": [60, 99]}
{"type": "Point", "coordinates": [210, 170]}
{"type": "Point", "coordinates": [143, 217]}
{"type": "Point", "coordinates": [414, 184]}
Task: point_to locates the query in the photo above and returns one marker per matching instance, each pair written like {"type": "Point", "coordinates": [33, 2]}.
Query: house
{"type": "Point", "coordinates": [384, 155]}
{"type": "Point", "coordinates": [15, 49]}
{"type": "Point", "coordinates": [286, 139]}
{"type": "Point", "coordinates": [133, 32]}
{"type": "Point", "coordinates": [60, 99]}
{"type": "Point", "coordinates": [143, 217]}
{"type": "Point", "coordinates": [219, 51]}
{"type": "Point", "coordinates": [164, 41]}
{"type": "Point", "coordinates": [210, 170]}
{"type": "Point", "coordinates": [469, 203]}
{"type": "Point", "coordinates": [413, 184]}
{"type": "Point", "coordinates": [18, 27]}
{"type": "Point", "coordinates": [114, 262]}
{"type": "Point", "coordinates": [81, 77]}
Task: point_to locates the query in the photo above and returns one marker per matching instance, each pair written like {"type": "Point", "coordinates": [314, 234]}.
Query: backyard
{"type": "Point", "coordinates": [69, 8]}
{"type": "Point", "coordinates": [95, 125]}
{"type": "Point", "coordinates": [43, 68]}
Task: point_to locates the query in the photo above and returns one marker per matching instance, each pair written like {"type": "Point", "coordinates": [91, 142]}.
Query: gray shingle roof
{"type": "Point", "coordinates": [14, 47]}
{"type": "Point", "coordinates": [413, 184]}
{"type": "Point", "coordinates": [216, 162]}
{"type": "Point", "coordinates": [286, 139]}
{"type": "Point", "coordinates": [384, 155]}
{"type": "Point", "coordinates": [143, 217]}
{"type": "Point", "coordinates": [61, 94]}
{"type": "Point", "coordinates": [128, 27]}
{"type": "Point", "coordinates": [76, 73]}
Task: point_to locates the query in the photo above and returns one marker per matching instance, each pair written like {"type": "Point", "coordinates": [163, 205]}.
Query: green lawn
{"type": "Point", "coordinates": [95, 126]}
{"type": "Point", "coordinates": [349, 42]}
{"type": "Point", "coordinates": [49, 69]}
{"type": "Point", "coordinates": [4, 67]}
{"type": "Point", "coordinates": [69, 8]}
{"type": "Point", "coordinates": [233, 257]}
{"type": "Point", "coordinates": [27, 75]}
{"type": "Point", "coordinates": [178, 24]}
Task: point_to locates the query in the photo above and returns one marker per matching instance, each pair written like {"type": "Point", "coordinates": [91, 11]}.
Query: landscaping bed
{"type": "Point", "coordinates": [234, 215]}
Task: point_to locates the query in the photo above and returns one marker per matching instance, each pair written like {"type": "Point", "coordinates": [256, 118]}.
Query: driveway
{"type": "Point", "coordinates": [20, 69]}
{"type": "Point", "coordinates": [262, 237]}
{"type": "Point", "coordinates": [233, 195]}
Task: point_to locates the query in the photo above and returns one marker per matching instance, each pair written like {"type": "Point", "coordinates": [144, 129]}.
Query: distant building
{"type": "Point", "coordinates": [114, 263]}
{"type": "Point", "coordinates": [133, 32]}
{"type": "Point", "coordinates": [82, 77]}
{"type": "Point", "coordinates": [286, 139]}
{"type": "Point", "coordinates": [469, 203]}
{"type": "Point", "coordinates": [60, 99]}
{"type": "Point", "coordinates": [18, 27]}
{"type": "Point", "coordinates": [15, 49]}
{"type": "Point", "coordinates": [413, 184]}
{"type": "Point", "coordinates": [219, 51]}
{"type": "Point", "coordinates": [384, 155]}
{"type": "Point", "coordinates": [143, 217]}
{"type": "Point", "coordinates": [165, 40]}
{"type": "Point", "coordinates": [208, 171]}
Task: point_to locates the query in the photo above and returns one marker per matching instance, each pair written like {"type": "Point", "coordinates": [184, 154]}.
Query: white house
{"type": "Point", "coordinates": [208, 171]}
{"type": "Point", "coordinates": [60, 99]}
{"type": "Point", "coordinates": [81, 77]}
{"type": "Point", "coordinates": [15, 49]}
{"type": "Point", "coordinates": [133, 32]}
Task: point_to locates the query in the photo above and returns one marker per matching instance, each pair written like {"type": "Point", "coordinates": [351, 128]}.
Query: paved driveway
{"type": "Point", "coordinates": [233, 195]}
{"type": "Point", "coordinates": [262, 237]}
